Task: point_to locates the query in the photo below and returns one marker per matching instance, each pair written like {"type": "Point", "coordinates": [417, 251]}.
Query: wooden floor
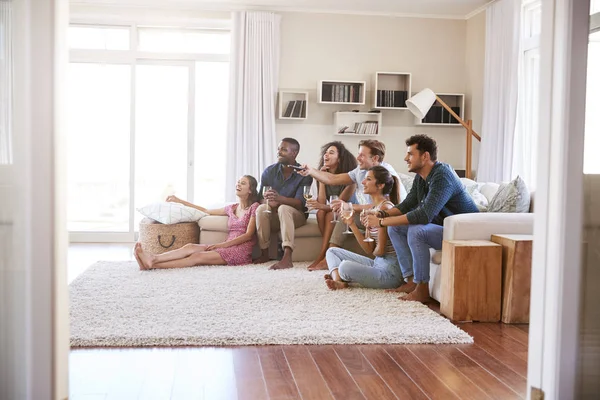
{"type": "Point", "coordinates": [495, 367]}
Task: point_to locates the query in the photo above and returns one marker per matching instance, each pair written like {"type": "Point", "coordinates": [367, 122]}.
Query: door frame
{"type": "Point", "coordinates": [556, 269]}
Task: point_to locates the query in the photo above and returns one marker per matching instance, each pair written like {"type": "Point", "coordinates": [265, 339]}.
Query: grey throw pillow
{"type": "Point", "coordinates": [407, 181]}
{"type": "Point", "coordinates": [511, 197]}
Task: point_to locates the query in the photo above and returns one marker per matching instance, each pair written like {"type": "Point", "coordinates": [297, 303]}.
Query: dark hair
{"type": "Point", "coordinates": [424, 144]}
{"type": "Point", "coordinates": [346, 160]}
{"type": "Point", "coordinates": [390, 182]}
{"type": "Point", "coordinates": [292, 141]}
{"type": "Point", "coordinates": [253, 198]}
{"type": "Point", "coordinates": [377, 148]}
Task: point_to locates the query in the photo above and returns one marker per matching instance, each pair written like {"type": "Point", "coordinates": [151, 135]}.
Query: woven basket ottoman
{"type": "Point", "coordinates": [158, 238]}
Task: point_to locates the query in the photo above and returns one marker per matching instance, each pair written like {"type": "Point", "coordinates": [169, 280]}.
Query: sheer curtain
{"type": "Point", "coordinates": [251, 139]}
{"type": "Point", "coordinates": [5, 82]}
{"type": "Point", "coordinates": [500, 91]}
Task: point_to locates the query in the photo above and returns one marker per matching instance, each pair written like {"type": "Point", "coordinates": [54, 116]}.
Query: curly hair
{"type": "Point", "coordinates": [346, 160]}
{"type": "Point", "coordinates": [253, 198]}
{"type": "Point", "coordinates": [424, 144]}
{"type": "Point", "coordinates": [390, 182]}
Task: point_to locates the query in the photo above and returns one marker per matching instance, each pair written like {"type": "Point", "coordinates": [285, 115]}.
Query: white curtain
{"type": "Point", "coordinates": [5, 82]}
{"type": "Point", "coordinates": [251, 139]}
{"type": "Point", "coordinates": [500, 91]}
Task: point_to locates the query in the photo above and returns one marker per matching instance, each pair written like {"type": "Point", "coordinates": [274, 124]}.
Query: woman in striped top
{"type": "Point", "coordinates": [383, 272]}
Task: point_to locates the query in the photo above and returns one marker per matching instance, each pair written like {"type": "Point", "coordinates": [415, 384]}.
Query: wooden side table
{"type": "Point", "coordinates": [516, 276]}
{"type": "Point", "coordinates": [471, 280]}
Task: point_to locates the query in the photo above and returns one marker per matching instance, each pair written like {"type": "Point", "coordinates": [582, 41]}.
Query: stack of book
{"type": "Point", "coordinates": [295, 109]}
{"type": "Point", "coordinates": [392, 98]}
{"type": "Point", "coordinates": [341, 92]}
{"type": "Point", "coordinates": [439, 115]}
{"type": "Point", "coordinates": [361, 128]}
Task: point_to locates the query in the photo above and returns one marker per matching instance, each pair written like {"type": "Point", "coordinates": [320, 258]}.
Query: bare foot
{"type": "Point", "coordinates": [261, 259]}
{"type": "Point", "coordinates": [335, 285]}
{"type": "Point", "coordinates": [145, 259]}
{"type": "Point", "coordinates": [420, 294]}
{"type": "Point", "coordinates": [327, 276]}
{"type": "Point", "coordinates": [404, 288]}
{"type": "Point", "coordinates": [283, 264]}
{"type": "Point", "coordinates": [137, 258]}
{"type": "Point", "coordinates": [318, 265]}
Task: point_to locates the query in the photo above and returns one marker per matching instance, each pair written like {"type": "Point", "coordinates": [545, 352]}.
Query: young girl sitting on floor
{"type": "Point", "coordinates": [236, 250]}
{"type": "Point", "coordinates": [384, 271]}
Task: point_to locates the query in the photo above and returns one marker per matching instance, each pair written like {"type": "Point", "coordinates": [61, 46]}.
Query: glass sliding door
{"type": "Point", "coordinates": [98, 155]}
{"type": "Point", "coordinates": [161, 133]}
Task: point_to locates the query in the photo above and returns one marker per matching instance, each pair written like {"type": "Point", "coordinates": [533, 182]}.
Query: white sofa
{"type": "Point", "coordinates": [478, 226]}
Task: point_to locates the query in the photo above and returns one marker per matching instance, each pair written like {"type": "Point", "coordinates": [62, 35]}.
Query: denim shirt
{"type": "Point", "coordinates": [292, 187]}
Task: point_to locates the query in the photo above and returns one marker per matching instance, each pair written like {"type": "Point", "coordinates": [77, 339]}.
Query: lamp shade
{"type": "Point", "coordinates": [421, 102]}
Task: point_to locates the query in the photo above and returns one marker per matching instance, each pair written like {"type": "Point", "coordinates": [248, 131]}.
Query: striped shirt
{"type": "Point", "coordinates": [439, 196]}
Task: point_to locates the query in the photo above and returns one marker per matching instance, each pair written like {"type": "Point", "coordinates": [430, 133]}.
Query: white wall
{"type": "Point", "coordinates": [474, 67]}
{"type": "Point", "coordinates": [328, 46]}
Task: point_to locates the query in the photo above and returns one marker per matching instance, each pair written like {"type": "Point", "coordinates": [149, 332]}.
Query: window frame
{"type": "Point", "coordinates": [134, 57]}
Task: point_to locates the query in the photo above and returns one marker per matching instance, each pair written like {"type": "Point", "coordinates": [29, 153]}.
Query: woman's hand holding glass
{"type": "Point", "coordinates": [364, 219]}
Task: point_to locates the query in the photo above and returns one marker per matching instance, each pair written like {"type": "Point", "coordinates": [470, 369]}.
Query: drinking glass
{"type": "Point", "coordinates": [368, 237]}
{"type": "Point", "coordinates": [331, 200]}
{"type": "Point", "coordinates": [265, 189]}
{"type": "Point", "coordinates": [307, 192]}
{"type": "Point", "coordinates": [347, 212]}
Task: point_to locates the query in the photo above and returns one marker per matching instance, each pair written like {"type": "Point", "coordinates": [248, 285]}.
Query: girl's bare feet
{"type": "Point", "coordinates": [406, 287]}
{"type": "Point", "coordinates": [327, 276]}
{"type": "Point", "coordinates": [318, 265]}
{"type": "Point", "coordinates": [144, 259]}
{"type": "Point", "coordinates": [137, 258]}
{"type": "Point", "coordinates": [335, 285]}
{"type": "Point", "coordinates": [420, 294]}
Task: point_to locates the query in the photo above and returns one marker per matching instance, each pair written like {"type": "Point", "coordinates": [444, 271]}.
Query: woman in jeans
{"type": "Point", "coordinates": [384, 271]}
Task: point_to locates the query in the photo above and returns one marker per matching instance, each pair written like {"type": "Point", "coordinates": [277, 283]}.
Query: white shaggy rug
{"type": "Point", "coordinates": [116, 304]}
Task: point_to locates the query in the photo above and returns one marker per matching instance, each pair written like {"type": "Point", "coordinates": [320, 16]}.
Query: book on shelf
{"type": "Point", "coordinates": [289, 109]}
{"type": "Point", "coordinates": [302, 108]}
{"type": "Point", "coordinates": [297, 109]}
{"type": "Point", "coordinates": [392, 98]}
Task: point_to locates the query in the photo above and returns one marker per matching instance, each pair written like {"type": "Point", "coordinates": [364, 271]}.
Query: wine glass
{"type": "Point", "coordinates": [307, 192]}
{"type": "Point", "coordinates": [368, 237]}
{"type": "Point", "coordinates": [265, 189]}
{"type": "Point", "coordinates": [347, 212]}
{"type": "Point", "coordinates": [332, 198]}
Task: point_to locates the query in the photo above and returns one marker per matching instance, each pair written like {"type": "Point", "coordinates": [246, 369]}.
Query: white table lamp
{"type": "Point", "coordinates": [419, 105]}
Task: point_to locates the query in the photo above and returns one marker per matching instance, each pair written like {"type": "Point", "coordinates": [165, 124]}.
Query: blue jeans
{"type": "Point", "coordinates": [380, 273]}
{"type": "Point", "coordinates": [412, 243]}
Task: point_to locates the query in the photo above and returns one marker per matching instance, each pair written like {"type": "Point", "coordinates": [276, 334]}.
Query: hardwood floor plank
{"type": "Point", "coordinates": [483, 379]}
{"type": "Point", "coordinates": [494, 366]}
{"type": "Point", "coordinates": [278, 377]}
{"type": "Point", "coordinates": [309, 380]}
{"type": "Point", "coordinates": [159, 375]}
{"type": "Point", "coordinates": [429, 383]}
{"type": "Point", "coordinates": [515, 333]}
{"type": "Point", "coordinates": [400, 383]}
{"type": "Point", "coordinates": [337, 377]}
{"type": "Point", "coordinates": [523, 327]}
{"type": "Point", "coordinates": [447, 372]}
{"type": "Point", "coordinates": [367, 379]}
{"type": "Point", "coordinates": [494, 332]}
{"type": "Point", "coordinates": [189, 374]}
{"type": "Point", "coordinates": [516, 363]}
{"type": "Point", "coordinates": [249, 377]}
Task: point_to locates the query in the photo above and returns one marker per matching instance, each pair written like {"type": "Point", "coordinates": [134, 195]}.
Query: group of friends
{"type": "Point", "coordinates": [362, 195]}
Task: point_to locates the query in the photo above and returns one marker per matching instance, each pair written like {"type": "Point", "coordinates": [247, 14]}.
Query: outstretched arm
{"type": "Point", "coordinates": [217, 211]}
{"type": "Point", "coordinates": [326, 177]}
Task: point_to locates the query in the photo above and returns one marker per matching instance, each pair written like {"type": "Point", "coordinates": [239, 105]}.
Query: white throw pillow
{"type": "Point", "coordinates": [407, 181]}
{"type": "Point", "coordinates": [478, 198]}
{"type": "Point", "coordinates": [511, 197]}
{"type": "Point", "coordinates": [171, 213]}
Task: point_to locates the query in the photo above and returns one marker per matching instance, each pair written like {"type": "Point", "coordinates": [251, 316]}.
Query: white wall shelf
{"type": "Point", "coordinates": [341, 92]}
{"type": "Point", "coordinates": [293, 105]}
{"type": "Point", "coordinates": [348, 123]}
{"type": "Point", "coordinates": [392, 89]}
{"type": "Point", "coordinates": [439, 116]}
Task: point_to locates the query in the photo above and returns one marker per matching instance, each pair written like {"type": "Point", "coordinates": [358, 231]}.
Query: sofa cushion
{"type": "Point", "coordinates": [511, 197]}
{"type": "Point", "coordinates": [489, 190]}
{"type": "Point", "coordinates": [216, 223]}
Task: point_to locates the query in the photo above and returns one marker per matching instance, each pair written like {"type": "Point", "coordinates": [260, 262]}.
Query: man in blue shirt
{"type": "Point", "coordinates": [416, 224]}
{"type": "Point", "coordinates": [285, 200]}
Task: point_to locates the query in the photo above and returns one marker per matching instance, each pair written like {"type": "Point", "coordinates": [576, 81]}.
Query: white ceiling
{"type": "Point", "coordinates": [430, 8]}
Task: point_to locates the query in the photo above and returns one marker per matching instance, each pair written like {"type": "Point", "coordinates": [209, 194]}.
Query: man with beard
{"type": "Point", "coordinates": [285, 201]}
{"type": "Point", "coordinates": [417, 223]}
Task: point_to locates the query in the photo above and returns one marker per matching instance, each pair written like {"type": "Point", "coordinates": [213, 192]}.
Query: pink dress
{"type": "Point", "coordinates": [242, 253]}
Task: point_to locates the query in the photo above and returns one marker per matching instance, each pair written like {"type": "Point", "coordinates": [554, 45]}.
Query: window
{"type": "Point", "coordinates": [526, 129]}
{"type": "Point", "coordinates": [143, 125]}
{"type": "Point", "coordinates": [591, 162]}
{"type": "Point", "coordinates": [6, 70]}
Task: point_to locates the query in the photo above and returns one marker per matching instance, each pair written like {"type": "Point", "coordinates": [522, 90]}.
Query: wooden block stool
{"type": "Point", "coordinates": [471, 280]}
{"type": "Point", "coordinates": [516, 276]}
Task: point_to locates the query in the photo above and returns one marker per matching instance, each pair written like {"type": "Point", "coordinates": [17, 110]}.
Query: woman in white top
{"type": "Point", "coordinates": [383, 272]}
